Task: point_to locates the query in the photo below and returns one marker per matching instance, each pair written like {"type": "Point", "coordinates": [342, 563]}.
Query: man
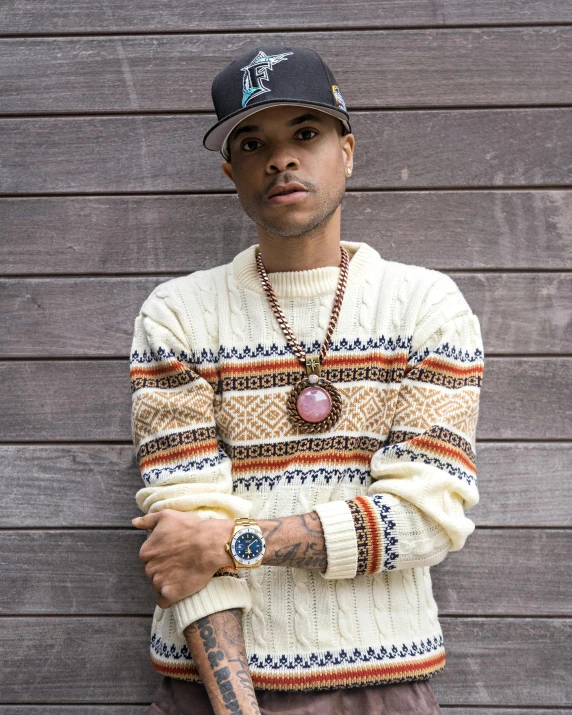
{"type": "Point", "coordinates": [305, 423]}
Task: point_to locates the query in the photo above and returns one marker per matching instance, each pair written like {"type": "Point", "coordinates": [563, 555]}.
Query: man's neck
{"type": "Point", "coordinates": [300, 253]}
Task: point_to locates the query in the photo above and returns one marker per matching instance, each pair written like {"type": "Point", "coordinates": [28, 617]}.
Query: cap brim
{"type": "Point", "coordinates": [216, 137]}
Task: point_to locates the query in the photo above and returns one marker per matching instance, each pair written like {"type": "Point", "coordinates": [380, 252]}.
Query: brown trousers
{"type": "Point", "coordinates": [183, 697]}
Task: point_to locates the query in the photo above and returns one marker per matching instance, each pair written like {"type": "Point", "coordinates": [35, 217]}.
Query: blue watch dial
{"type": "Point", "coordinates": [248, 546]}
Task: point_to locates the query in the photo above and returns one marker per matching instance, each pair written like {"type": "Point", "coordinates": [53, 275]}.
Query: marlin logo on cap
{"type": "Point", "coordinates": [256, 71]}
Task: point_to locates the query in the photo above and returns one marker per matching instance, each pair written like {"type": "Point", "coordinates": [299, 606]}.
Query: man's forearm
{"type": "Point", "coordinates": [216, 643]}
{"type": "Point", "coordinates": [296, 541]}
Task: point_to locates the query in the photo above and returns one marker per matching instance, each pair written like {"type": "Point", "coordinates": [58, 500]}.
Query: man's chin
{"type": "Point", "coordinates": [289, 230]}
{"type": "Point", "coordinates": [289, 226]}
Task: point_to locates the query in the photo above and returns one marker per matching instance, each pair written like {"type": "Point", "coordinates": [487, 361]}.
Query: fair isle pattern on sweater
{"type": "Point", "coordinates": [432, 444]}
{"type": "Point", "coordinates": [210, 378]}
{"type": "Point", "coordinates": [349, 668]}
{"type": "Point", "coordinates": [374, 533]}
{"type": "Point", "coordinates": [378, 361]}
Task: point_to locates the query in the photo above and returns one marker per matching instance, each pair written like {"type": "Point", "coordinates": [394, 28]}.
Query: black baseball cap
{"type": "Point", "coordinates": [271, 75]}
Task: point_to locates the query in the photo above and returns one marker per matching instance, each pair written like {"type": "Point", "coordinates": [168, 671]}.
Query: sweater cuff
{"type": "Point", "coordinates": [340, 536]}
{"type": "Point", "coordinates": [220, 594]}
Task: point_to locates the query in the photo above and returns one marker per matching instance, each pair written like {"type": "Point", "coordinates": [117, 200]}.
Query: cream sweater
{"type": "Point", "coordinates": [211, 372]}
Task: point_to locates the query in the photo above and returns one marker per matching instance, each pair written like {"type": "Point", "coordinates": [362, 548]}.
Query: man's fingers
{"type": "Point", "coordinates": [149, 521]}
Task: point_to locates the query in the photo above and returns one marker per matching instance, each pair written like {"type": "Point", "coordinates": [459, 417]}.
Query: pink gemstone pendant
{"type": "Point", "coordinates": [314, 404]}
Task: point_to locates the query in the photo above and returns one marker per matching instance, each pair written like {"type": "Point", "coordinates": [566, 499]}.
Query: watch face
{"type": "Point", "coordinates": [248, 546]}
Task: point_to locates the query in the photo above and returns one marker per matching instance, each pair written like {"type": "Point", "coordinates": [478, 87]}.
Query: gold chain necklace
{"type": "Point", "coordinates": [314, 402]}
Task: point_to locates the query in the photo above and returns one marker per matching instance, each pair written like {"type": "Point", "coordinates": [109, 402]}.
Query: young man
{"type": "Point", "coordinates": [305, 421]}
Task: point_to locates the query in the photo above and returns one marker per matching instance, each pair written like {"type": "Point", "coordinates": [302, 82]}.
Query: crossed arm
{"type": "Point", "coordinates": [216, 642]}
{"type": "Point", "coordinates": [184, 551]}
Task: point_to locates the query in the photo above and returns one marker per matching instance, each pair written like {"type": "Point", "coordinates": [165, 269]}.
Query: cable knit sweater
{"type": "Point", "coordinates": [211, 373]}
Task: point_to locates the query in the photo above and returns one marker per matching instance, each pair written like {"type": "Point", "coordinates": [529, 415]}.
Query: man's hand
{"type": "Point", "coordinates": [183, 552]}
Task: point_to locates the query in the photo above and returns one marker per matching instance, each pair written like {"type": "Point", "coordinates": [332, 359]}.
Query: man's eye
{"type": "Point", "coordinates": [255, 141]}
{"type": "Point", "coordinates": [249, 141]}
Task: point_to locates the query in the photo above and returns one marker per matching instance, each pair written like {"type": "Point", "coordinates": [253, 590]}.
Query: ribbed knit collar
{"type": "Point", "coordinates": [307, 283]}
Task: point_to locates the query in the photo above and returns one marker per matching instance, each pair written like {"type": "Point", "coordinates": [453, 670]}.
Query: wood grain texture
{"type": "Point", "coordinates": [94, 485]}
{"type": "Point", "coordinates": [69, 16]}
{"type": "Point", "coordinates": [469, 230]}
{"type": "Point", "coordinates": [506, 66]}
{"type": "Point", "coordinates": [141, 710]}
{"type": "Point", "coordinates": [490, 661]}
{"type": "Point", "coordinates": [522, 398]}
{"type": "Point", "coordinates": [522, 662]}
{"type": "Point", "coordinates": [93, 317]}
{"type": "Point", "coordinates": [118, 710]}
{"type": "Point", "coordinates": [98, 572]}
{"type": "Point", "coordinates": [452, 710]}
{"type": "Point", "coordinates": [394, 150]}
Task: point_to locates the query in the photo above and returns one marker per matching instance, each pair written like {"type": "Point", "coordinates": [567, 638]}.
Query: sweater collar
{"type": "Point", "coordinates": [308, 283]}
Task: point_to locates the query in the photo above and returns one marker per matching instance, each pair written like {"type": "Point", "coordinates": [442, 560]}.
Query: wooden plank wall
{"type": "Point", "coordinates": [462, 113]}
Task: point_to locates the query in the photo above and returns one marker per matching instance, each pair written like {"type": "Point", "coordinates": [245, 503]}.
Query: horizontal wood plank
{"type": "Point", "coordinates": [76, 659]}
{"type": "Point", "coordinates": [141, 710]}
{"type": "Point", "coordinates": [67, 16]}
{"type": "Point", "coordinates": [484, 147]}
{"type": "Point", "coordinates": [94, 485]}
{"type": "Point", "coordinates": [90, 400]}
{"type": "Point", "coordinates": [175, 72]}
{"type": "Point", "coordinates": [102, 574]}
{"type": "Point", "coordinates": [166, 234]}
{"type": "Point", "coordinates": [93, 317]}
{"type": "Point", "coordinates": [125, 710]}
{"type": "Point", "coordinates": [452, 710]}
{"type": "Point", "coordinates": [523, 662]}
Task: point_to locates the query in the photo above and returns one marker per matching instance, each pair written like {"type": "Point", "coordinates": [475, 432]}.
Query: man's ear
{"type": "Point", "coordinates": [348, 145]}
{"type": "Point", "coordinates": [227, 168]}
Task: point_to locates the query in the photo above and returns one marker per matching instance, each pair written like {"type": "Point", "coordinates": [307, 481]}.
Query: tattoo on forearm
{"type": "Point", "coordinates": [221, 672]}
{"type": "Point", "coordinates": [233, 631]}
{"type": "Point", "coordinates": [245, 679]}
{"type": "Point", "coordinates": [307, 553]}
{"type": "Point", "coordinates": [190, 629]}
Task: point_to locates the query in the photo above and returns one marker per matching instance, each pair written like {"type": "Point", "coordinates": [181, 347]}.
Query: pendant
{"type": "Point", "coordinates": [314, 402]}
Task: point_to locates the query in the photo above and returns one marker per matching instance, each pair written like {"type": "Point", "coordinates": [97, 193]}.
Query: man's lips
{"type": "Point", "coordinates": [287, 193]}
{"type": "Point", "coordinates": [286, 188]}
{"type": "Point", "coordinates": [288, 198]}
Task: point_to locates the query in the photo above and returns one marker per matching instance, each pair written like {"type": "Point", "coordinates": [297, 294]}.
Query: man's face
{"type": "Point", "coordinates": [284, 144]}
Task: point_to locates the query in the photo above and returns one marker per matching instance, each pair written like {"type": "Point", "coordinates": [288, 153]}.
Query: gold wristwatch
{"type": "Point", "coordinates": [247, 544]}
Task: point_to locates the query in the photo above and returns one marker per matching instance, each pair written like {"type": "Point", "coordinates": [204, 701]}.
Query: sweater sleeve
{"type": "Point", "coordinates": [423, 478]}
{"type": "Point", "coordinates": [181, 461]}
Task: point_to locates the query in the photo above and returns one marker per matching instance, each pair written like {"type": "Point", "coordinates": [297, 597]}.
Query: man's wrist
{"type": "Point", "coordinates": [294, 541]}
{"type": "Point", "coordinates": [221, 534]}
